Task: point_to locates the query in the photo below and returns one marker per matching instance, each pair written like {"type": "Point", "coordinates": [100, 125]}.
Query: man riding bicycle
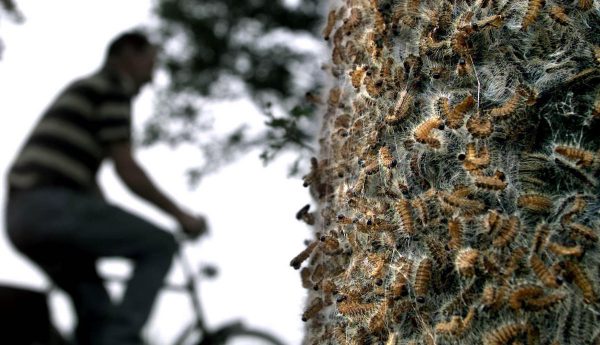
{"type": "Point", "coordinates": [57, 216]}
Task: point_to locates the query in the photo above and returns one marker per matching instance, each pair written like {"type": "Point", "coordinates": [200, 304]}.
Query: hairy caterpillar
{"type": "Point", "coordinates": [507, 233]}
{"type": "Point", "coordinates": [357, 75]}
{"type": "Point", "coordinates": [503, 334]}
{"type": "Point", "coordinates": [330, 24]}
{"type": "Point", "coordinates": [490, 182]}
{"type": "Point", "coordinates": [514, 262]}
{"type": "Point", "coordinates": [479, 126]}
{"type": "Point", "coordinates": [460, 109]}
{"type": "Point", "coordinates": [533, 10]}
{"type": "Point", "coordinates": [582, 157]}
{"type": "Point", "coordinates": [558, 249]}
{"type": "Point", "coordinates": [494, 297]}
{"type": "Point", "coordinates": [386, 157]}
{"type": "Point", "coordinates": [300, 258]}
{"type": "Point", "coordinates": [405, 212]}
{"type": "Point", "coordinates": [544, 302]}
{"type": "Point", "coordinates": [541, 235]}
{"type": "Point", "coordinates": [456, 234]}
{"type": "Point", "coordinates": [457, 325]}
{"type": "Point", "coordinates": [558, 14]}
{"type": "Point", "coordinates": [465, 261]}
{"type": "Point", "coordinates": [510, 106]}
{"type": "Point", "coordinates": [305, 274]}
{"type": "Point", "coordinates": [522, 293]}
{"type": "Point", "coordinates": [463, 68]}
{"type": "Point", "coordinates": [542, 272]}
{"type": "Point", "coordinates": [467, 206]}
{"type": "Point", "coordinates": [377, 322]}
{"type": "Point", "coordinates": [582, 281]}
{"type": "Point", "coordinates": [437, 251]}
{"type": "Point", "coordinates": [378, 264]}
{"type": "Point", "coordinates": [422, 133]}
{"type": "Point", "coordinates": [535, 203]}
{"type": "Point", "coordinates": [585, 4]}
{"type": "Point", "coordinates": [354, 309]}
{"type": "Point", "coordinates": [315, 307]}
{"type": "Point", "coordinates": [422, 279]}
{"type": "Point", "coordinates": [330, 245]}
{"type": "Point", "coordinates": [401, 108]}
{"type": "Point", "coordinates": [586, 232]}
{"type": "Point", "coordinates": [579, 204]}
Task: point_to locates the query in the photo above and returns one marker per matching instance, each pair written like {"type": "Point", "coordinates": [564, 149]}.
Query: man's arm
{"type": "Point", "coordinates": [136, 179]}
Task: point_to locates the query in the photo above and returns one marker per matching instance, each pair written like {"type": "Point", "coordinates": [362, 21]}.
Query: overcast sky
{"type": "Point", "coordinates": [251, 208]}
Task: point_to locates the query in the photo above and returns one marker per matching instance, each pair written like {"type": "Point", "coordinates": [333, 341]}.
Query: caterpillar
{"type": "Point", "coordinates": [317, 274]}
{"type": "Point", "coordinates": [422, 133]}
{"type": "Point", "coordinates": [305, 274]}
{"type": "Point", "coordinates": [300, 258]}
{"type": "Point", "coordinates": [579, 204]}
{"type": "Point", "coordinates": [533, 10]}
{"type": "Point", "coordinates": [582, 281]}
{"type": "Point", "coordinates": [494, 297]}
{"type": "Point", "coordinates": [576, 251]}
{"type": "Point", "coordinates": [494, 21]}
{"type": "Point", "coordinates": [401, 108]}
{"type": "Point", "coordinates": [479, 126]}
{"type": "Point", "coordinates": [315, 307]}
{"type": "Point", "coordinates": [523, 292]}
{"type": "Point", "coordinates": [586, 232]}
{"type": "Point", "coordinates": [535, 203]}
{"type": "Point", "coordinates": [405, 212]}
{"type": "Point", "coordinates": [582, 157]}
{"type": "Point", "coordinates": [356, 76]}
{"type": "Point", "coordinates": [542, 231]}
{"type": "Point", "coordinates": [467, 206]}
{"type": "Point", "coordinates": [585, 4]}
{"type": "Point", "coordinates": [330, 24]}
{"type": "Point", "coordinates": [510, 106]}
{"type": "Point", "coordinates": [463, 68]}
{"type": "Point", "coordinates": [353, 309]}
{"type": "Point", "coordinates": [542, 272]}
{"type": "Point", "coordinates": [503, 334]}
{"type": "Point", "coordinates": [458, 113]}
{"type": "Point", "coordinates": [377, 322]}
{"type": "Point", "coordinates": [386, 157]}
{"type": "Point", "coordinates": [456, 234]}
{"type": "Point", "coordinates": [490, 182]}
{"type": "Point", "coordinates": [558, 14]}
{"type": "Point", "coordinates": [507, 232]}
{"type": "Point", "coordinates": [544, 302]}
{"type": "Point", "coordinates": [422, 279]}
{"type": "Point", "coordinates": [378, 264]}
{"type": "Point", "coordinates": [465, 261]}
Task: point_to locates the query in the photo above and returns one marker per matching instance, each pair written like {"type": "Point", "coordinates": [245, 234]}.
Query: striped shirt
{"type": "Point", "coordinates": [69, 142]}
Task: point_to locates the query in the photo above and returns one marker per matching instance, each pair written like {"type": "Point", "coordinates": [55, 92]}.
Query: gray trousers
{"type": "Point", "coordinates": [64, 232]}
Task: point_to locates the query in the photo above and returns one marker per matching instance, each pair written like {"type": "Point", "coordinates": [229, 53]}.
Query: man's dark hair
{"type": "Point", "coordinates": [135, 39]}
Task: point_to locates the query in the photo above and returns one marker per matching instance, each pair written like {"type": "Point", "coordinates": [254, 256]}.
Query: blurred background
{"type": "Point", "coordinates": [226, 129]}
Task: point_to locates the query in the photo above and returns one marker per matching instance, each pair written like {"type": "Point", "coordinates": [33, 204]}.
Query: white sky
{"type": "Point", "coordinates": [251, 209]}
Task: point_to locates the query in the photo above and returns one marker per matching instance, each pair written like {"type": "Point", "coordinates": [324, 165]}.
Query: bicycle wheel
{"type": "Point", "coordinates": [251, 337]}
{"type": "Point", "coordinates": [237, 334]}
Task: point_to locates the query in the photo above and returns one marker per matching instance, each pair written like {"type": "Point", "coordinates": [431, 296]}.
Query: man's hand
{"type": "Point", "coordinates": [193, 226]}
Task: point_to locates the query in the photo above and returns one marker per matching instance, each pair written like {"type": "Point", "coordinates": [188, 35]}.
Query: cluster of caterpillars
{"type": "Point", "coordinates": [457, 180]}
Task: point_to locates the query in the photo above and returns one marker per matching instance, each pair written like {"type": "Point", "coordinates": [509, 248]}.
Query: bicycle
{"type": "Point", "coordinates": [196, 333]}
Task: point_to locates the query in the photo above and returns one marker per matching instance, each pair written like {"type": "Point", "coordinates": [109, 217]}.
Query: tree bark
{"type": "Point", "coordinates": [457, 178]}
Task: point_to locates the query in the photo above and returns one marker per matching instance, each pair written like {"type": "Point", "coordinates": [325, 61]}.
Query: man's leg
{"type": "Point", "coordinates": [108, 231]}
{"type": "Point", "coordinates": [78, 277]}
{"type": "Point", "coordinates": [88, 226]}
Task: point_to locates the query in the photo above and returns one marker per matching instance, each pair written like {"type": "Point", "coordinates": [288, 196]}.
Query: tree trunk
{"type": "Point", "coordinates": [457, 178]}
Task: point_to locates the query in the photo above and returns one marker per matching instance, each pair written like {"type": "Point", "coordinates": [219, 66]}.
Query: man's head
{"type": "Point", "coordinates": [132, 54]}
